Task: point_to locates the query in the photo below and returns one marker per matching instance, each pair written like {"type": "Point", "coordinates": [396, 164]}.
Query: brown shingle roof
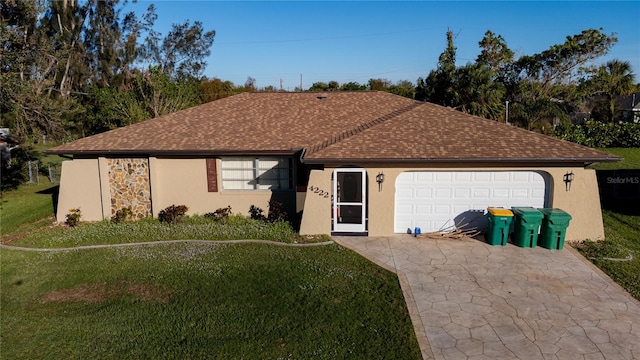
{"type": "Point", "coordinates": [430, 132]}
{"type": "Point", "coordinates": [340, 126]}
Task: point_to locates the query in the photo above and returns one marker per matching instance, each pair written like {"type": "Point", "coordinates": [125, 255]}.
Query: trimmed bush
{"type": "Point", "coordinates": [276, 212]}
{"type": "Point", "coordinates": [257, 213]}
{"type": "Point", "coordinates": [73, 217]}
{"type": "Point", "coordinates": [122, 215]}
{"type": "Point", "coordinates": [172, 214]}
{"type": "Point", "coordinates": [221, 214]}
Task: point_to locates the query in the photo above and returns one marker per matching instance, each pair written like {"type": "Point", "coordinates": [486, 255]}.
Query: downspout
{"type": "Point", "coordinates": [302, 155]}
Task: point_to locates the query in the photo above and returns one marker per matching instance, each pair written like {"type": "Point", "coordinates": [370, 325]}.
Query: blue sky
{"type": "Point", "coordinates": [356, 40]}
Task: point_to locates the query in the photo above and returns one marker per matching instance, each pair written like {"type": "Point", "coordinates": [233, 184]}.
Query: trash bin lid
{"type": "Point", "coordinates": [554, 214]}
{"type": "Point", "coordinates": [528, 212]}
{"type": "Point", "coordinates": [499, 211]}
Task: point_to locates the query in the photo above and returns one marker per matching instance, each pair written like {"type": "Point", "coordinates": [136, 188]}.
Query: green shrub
{"type": "Point", "coordinates": [221, 214]}
{"type": "Point", "coordinates": [598, 134]}
{"type": "Point", "coordinates": [73, 217]}
{"type": "Point", "coordinates": [276, 212]}
{"type": "Point", "coordinates": [14, 166]}
{"type": "Point", "coordinates": [257, 213]}
{"type": "Point", "coordinates": [172, 214]}
{"type": "Point", "coordinates": [122, 215]}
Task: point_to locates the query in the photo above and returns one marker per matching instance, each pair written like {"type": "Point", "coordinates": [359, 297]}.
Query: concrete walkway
{"type": "Point", "coordinates": [470, 300]}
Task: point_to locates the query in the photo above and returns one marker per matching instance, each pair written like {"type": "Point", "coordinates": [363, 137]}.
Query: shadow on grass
{"type": "Point", "coordinates": [54, 191]}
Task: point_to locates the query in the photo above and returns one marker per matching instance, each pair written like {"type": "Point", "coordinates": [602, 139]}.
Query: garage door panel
{"type": "Point", "coordinates": [423, 209]}
{"type": "Point", "coordinates": [440, 209]}
{"type": "Point", "coordinates": [424, 193]}
{"type": "Point", "coordinates": [424, 177]}
{"type": "Point", "coordinates": [482, 193]}
{"type": "Point", "coordinates": [403, 225]}
{"type": "Point", "coordinates": [521, 177]}
{"type": "Point", "coordinates": [443, 176]}
{"type": "Point", "coordinates": [457, 209]}
{"type": "Point", "coordinates": [404, 193]}
{"type": "Point", "coordinates": [404, 209]}
{"type": "Point", "coordinates": [537, 194]}
{"type": "Point", "coordinates": [520, 194]}
{"type": "Point", "coordinates": [462, 193]}
{"type": "Point", "coordinates": [463, 176]}
{"type": "Point", "coordinates": [482, 176]}
{"type": "Point", "coordinates": [500, 193]}
{"type": "Point", "coordinates": [433, 200]}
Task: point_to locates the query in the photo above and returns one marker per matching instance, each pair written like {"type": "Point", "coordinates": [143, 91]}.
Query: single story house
{"type": "Point", "coordinates": [369, 163]}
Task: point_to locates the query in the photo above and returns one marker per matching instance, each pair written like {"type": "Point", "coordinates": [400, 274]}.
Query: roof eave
{"type": "Point", "coordinates": [544, 161]}
{"type": "Point", "coordinates": [181, 153]}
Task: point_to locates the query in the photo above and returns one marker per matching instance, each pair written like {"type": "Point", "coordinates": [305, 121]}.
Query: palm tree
{"type": "Point", "coordinates": [477, 93]}
{"type": "Point", "coordinates": [613, 79]}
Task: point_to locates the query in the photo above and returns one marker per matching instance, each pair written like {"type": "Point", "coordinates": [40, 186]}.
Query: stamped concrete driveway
{"type": "Point", "coordinates": [470, 300]}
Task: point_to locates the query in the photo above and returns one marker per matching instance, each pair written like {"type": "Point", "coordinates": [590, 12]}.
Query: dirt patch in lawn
{"type": "Point", "coordinates": [25, 229]}
{"type": "Point", "coordinates": [100, 292]}
{"type": "Point", "coordinates": [6, 239]}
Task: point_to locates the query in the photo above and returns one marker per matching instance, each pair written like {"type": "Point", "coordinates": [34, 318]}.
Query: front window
{"type": "Point", "coordinates": [257, 173]}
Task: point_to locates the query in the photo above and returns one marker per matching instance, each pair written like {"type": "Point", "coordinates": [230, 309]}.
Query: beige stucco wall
{"type": "Point", "coordinates": [184, 182]}
{"type": "Point", "coordinates": [582, 201]}
{"type": "Point", "coordinates": [80, 188]}
{"type": "Point", "coordinates": [85, 184]}
{"type": "Point", "coordinates": [316, 217]}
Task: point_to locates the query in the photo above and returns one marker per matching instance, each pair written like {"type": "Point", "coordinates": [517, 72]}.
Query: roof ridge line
{"type": "Point", "coordinates": [362, 127]}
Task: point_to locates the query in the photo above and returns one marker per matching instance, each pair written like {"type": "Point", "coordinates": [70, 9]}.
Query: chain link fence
{"type": "Point", "coordinates": [54, 172]}
{"type": "Point", "coordinates": [33, 173]}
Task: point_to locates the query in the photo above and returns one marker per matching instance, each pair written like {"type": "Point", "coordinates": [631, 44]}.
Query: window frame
{"type": "Point", "coordinates": [254, 181]}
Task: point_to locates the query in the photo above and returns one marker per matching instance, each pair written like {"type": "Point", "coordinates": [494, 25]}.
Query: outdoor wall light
{"type": "Point", "coordinates": [380, 180]}
{"type": "Point", "coordinates": [568, 178]}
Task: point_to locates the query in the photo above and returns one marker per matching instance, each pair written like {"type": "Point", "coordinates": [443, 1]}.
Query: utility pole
{"type": "Point", "coordinates": [280, 84]}
{"type": "Point", "coordinates": [300, 82]}
{"type": "Point", "coordinates": [506, 117]}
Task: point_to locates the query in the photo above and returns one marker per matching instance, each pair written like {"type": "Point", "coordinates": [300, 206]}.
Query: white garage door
{"type": "Point", "coordinates": [436, 200]}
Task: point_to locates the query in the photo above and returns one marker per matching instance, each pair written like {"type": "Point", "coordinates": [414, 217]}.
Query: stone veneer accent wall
{"type": "Point", "coordinates": [129, 184]}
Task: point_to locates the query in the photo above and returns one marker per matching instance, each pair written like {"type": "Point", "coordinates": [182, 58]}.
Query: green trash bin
{"type": "Point", "coordinates": [554, 228]}
{"type": "Point", "coordinates": [499, 222]}
{"type": "Point", "coordinates": [526, 225]}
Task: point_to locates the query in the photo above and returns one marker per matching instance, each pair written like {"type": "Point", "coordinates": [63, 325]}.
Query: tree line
{"type": "Point", "coordinates": [72, 68]}
{"type": "Point", "coordinates": [535, 91]}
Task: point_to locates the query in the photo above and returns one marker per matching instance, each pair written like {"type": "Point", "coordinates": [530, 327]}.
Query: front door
{"type": "Point", "coordinates": [350, 196]}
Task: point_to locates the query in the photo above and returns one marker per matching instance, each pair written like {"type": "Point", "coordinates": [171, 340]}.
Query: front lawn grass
{"type": "Point", "coordinates": [619, 254]}
{"type": "Point", "coordinates": [622, 242]}
{"type": "Point", "coordinates": [28, 206]}
{"type": "Point", "coordinates": [236, 227]}
{"type": "Point", "coordinates": [195, 301]}
{"type": "Point", "coordinates": [631, 159]}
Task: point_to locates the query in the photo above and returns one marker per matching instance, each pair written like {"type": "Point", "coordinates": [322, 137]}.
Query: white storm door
{"type": "Point", "coordinates": [350, 196]}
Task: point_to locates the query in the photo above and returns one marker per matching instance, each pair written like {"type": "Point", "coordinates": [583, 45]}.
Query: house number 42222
{"type": "Point", "coordinates": [320, 192]}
